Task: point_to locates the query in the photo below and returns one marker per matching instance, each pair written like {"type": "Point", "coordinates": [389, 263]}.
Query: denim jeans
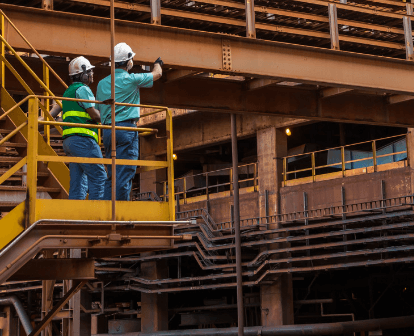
{"type": "Point", "coordinates": [85, 176]}
{"type": "Point", "coordinates": [126, 148]}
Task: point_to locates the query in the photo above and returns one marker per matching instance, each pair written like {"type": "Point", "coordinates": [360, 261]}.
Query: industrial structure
{"type": "Point", "coordinates": [288, 209]}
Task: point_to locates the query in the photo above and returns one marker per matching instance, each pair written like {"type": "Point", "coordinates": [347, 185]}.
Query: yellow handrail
{"type": "Point", "coordinates": [46, 80]}
{"type": "Point", "coordinates": [36, 77]}
{"type": "Point", "coordinates": [27, 88]}
{"type": "Point", "coordinates": [3, 53]}
{"type": "Point", "coordinates": [343, 161]}
{"type": "Point", "coordinates": [4, 16]}
{"type": "Point", "coordinates": [33, 157]}
{"type": "Point", "coordinates": [207, 187]}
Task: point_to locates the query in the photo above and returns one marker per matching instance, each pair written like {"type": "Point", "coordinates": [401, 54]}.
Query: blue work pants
{"type": "Point", "coordinates": [126, 148]}
{"type": "Point", "coordinates": [85, 176]}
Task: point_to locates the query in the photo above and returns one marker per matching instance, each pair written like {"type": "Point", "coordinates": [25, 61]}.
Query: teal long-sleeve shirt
{"type": "Point", "coordinates": [126, 91]}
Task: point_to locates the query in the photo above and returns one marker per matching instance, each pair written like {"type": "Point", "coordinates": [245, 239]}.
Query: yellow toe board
{"type": "Point", "coordinates": [12, 225]}
{"type": "Point", "coordinates": [101, 210]}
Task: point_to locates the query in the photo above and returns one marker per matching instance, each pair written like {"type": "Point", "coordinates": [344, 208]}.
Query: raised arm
{"type": "Point", "coordinates": [157, 70]}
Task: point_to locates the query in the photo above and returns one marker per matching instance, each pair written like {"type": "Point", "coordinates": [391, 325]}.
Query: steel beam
{"type": "Point", "coordinates": [155, 11]}
{"type": "Point", "coordinates": [408, 35]}
{"type": "Point", "coordinates": [179, 74]}
{"type": "Point", "coordinates": [330, 92]}
{"type": "Point", "coordinates": [259, 83]}
{"type": "Point", "coordinates": [220, 95]}
{"type": "Point", "coordinates": [57, 308]}
{"type": "Point", "coordinates": [196, 50]}
{"type": "Point", "coordinates": [56, 269]}
{"type": "Point", "coordinates": [250, 19]}
{"type": "Point", "coordinates": [333, 26]}
{"type": "Point", "coordinates": [395, 99]}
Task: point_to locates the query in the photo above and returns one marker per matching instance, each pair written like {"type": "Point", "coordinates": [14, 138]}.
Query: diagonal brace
{"type": "Point", "coordinates": [75, 288]}
{"type": "Point", "coordinates": [13, 170]}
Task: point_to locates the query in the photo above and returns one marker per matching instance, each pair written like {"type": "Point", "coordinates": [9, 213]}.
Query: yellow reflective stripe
{"type": "Point", "coordinates": [78, 130]}
{"type": "Point", "coordinates": [76, 114]}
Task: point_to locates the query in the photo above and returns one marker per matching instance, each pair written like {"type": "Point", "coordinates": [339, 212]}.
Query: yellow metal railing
{"type": "Point", "coordinates": [33, 156]}
{"type": "Point", "coordinates": [47, 69]}
{"type": "Point", "coordinates": [209, 188]}
{"type": "Point", "coordinates": [314, 168]}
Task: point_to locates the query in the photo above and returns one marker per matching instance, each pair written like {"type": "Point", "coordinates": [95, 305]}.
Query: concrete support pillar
{"type": "Point", "coordinates": [277, 298]}
{"type": "Point", "coordinates": [154, 307]}
{"type": "Point", "coordinates": [271, 147]}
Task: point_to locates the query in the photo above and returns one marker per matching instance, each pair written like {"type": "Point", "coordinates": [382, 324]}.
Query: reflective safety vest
{"type": "Point", "coordinates": [74, 113]}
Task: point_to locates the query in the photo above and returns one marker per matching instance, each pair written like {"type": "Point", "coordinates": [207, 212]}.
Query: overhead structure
{"type": "Point", "coordinates": [301, 219]}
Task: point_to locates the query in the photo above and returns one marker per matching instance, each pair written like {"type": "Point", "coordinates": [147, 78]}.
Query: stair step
{"type": "Point", "coordinates": [21, 188]}
{"type": "Point", "coordinates": [9, 153]}
{"type": "Point", "coordinates": [15, 144]}
{"type": "Point", "coordinates": [11, 159]}
{"type": "Point", "coordinates": [8, 206]}
{"type": "Point", "coordinates": [20, 173]}
{"type": "Point", "coordinates": [5, 130]}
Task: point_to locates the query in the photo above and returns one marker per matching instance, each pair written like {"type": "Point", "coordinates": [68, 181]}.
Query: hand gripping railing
{"type": "Point", "coordinates": [33, 157]}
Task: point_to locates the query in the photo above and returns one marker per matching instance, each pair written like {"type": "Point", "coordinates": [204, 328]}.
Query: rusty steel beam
{"type": "Point", "coordinates": [260, 83]}
{"type": "Point", "coordinates": [196, 50]}
{"type": "Point", "coordinates": [56, 269]}
{"type": "Point", "coordinates": [218, 95]}
{"type": "Point", "coordinates": [56, 309]}
{"type": "Point", "coordinates": [329, 92]}
{"type": "Point", "coordinates": [178, 74]}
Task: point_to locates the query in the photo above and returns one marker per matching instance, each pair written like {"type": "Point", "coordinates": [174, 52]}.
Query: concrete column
{"type": "Point", "coordinates": [154, 307]}
{"type": "Point", "coordinates": [271, 147]}
{"type": "Point", "coordinates": [276, 298]}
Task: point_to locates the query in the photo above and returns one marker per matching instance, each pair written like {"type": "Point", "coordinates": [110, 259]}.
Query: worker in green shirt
{"type": "Point", "coordinates": [79, 141]}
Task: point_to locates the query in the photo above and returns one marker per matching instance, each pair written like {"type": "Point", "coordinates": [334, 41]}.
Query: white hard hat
{"type": "Point", "coordinates": [79, 65]}
{"type": "Point", "coordinates": [123, 52]}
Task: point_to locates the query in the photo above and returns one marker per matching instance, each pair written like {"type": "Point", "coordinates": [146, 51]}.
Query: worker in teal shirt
{"type": "Point", "coordinates": [126, 91]}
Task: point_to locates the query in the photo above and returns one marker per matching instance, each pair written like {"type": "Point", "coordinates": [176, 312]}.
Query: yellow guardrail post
{"type": "Point", "coordinates": [343, 161]}
{"type": "Point", "coordinates": [32, 153]}
{"type": "Point", "coordinates": [374, 155]}
{"type": "Point", "coordinates": [3, 53]}
{"type": "Point", "coordinates": [284, 171]}
{"type": "Point", "coordinates": [255, 177]}
{"type": "Point", "coordinates": [170, 160]}
{"type": "Point", "coordinates": [46, 102]}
